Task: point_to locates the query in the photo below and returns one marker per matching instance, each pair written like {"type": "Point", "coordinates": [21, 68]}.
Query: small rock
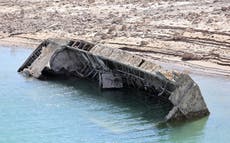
{"type": "Point", "coordinates": [110, 30]}
{"type": "Point", "coordinates": [91, 1]}
{"type": "Point", "coordinates": [190, 56]}
{"type": "Point", "coordinates": [104, 36]}
{"type": "Point", "coordinates": [143, 43]}
{"type": "Point", "coordinates": [117, 20]}
{"type": "Point", "coordinates": [225, 8]}
{"type": "Point", "coordinates": [121, 27]}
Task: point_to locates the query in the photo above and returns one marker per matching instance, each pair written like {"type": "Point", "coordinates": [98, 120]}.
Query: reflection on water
{"type": "Point", "coordinates": [69, 110]}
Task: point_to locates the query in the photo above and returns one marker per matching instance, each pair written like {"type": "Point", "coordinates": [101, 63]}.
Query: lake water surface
{"type": "Point", "coordinates": [76, 111]}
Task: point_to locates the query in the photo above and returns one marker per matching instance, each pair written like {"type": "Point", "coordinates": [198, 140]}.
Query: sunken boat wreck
{"type": "Point", "coordinates": [115, 68]}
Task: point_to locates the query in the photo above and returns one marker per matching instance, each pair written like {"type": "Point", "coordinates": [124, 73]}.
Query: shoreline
{"type": "Point", "coordinates": [197, 68]}
{"type": "Point", "coordinates": [191, 36]}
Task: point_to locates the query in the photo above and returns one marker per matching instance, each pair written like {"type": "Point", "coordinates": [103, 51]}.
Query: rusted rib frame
{"type": "Point", "coordinates": [124, 65]}
{"type": "Point", "coordinates": [30, 59]}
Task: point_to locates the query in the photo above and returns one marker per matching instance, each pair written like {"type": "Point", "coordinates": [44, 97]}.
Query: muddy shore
{"type": "Point", "coordinates": [191, 36]}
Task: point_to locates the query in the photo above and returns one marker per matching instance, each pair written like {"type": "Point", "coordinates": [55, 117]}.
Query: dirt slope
{"type": "Point", "coordinates": [190, 35]}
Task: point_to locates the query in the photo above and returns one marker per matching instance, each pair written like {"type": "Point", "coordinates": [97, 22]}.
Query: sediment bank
{"type": "Point", "coordinates": [190, 35]}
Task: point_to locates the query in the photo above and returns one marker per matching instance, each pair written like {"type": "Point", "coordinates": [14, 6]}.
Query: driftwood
{"type": "Point", "coordinates": [114, 68]}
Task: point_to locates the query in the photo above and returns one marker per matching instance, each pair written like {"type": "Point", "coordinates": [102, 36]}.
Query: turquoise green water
{"type": "Point", "coordinates": [73, 111]}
